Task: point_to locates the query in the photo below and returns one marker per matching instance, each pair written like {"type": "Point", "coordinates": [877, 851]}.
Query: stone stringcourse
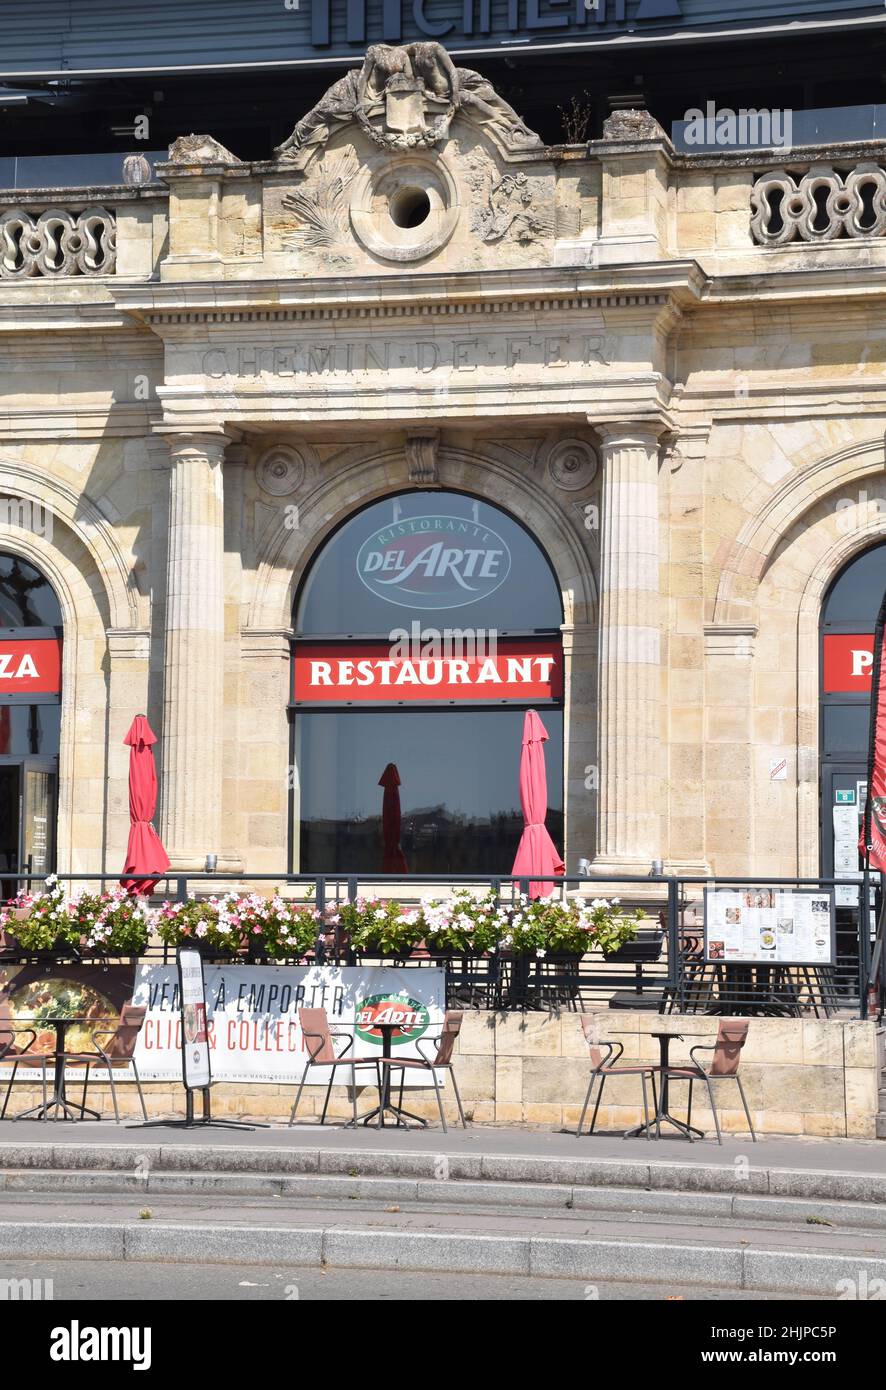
{"type": "Point", "coordinates": [821, 205]}
{"type": "Point", "coordinates": [57, 242]}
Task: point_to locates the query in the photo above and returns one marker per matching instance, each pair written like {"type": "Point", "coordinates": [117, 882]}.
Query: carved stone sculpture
{"type": "Point", "coordinates": [200, 149]}
{"type": "Point", "coordinates": [403, 98]}
{"type": "Point", "coordinates": [632, 124]}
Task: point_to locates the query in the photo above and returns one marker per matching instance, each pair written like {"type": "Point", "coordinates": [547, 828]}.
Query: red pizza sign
{"type": "Point", "coordinates": [367, 672]}
{"type": "Point", "coordinates": [31, 667]}
{"type": "Point", "coordinates": [848, 662]}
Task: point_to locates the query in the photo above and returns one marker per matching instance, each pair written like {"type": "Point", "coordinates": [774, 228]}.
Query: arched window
{"type": "Point", "coordinates": [848, 616]}
{"type": "Point", "coordinates": [30, 719]}
{"type": "Point", "coordinates": [426, 626]}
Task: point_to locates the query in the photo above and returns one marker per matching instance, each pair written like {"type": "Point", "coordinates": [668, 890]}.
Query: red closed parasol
{"type": "Point", "coordinates": [145, 855]}
{"type": "Point", "coordinates": [536, 852]}
{"type": "Point", "coordinates": [393, 858]}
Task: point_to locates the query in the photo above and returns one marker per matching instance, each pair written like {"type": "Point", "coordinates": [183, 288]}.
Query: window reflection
{"type": "Point", "coordinates": [459, 788]}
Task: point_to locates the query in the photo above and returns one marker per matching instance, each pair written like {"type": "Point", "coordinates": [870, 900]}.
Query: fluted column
{"type": "Point", "coordinates": [629, 821]}
{"type": "Point", "coordinates": [193, 705]}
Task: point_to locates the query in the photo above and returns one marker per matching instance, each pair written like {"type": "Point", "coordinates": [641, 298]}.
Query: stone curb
{"type": "Point", "coordinates": [628, 1261]}
{"type": "Point", "coordinates": [586, 1172]}
{"type": "Point", "coordinates": [429, 1192]}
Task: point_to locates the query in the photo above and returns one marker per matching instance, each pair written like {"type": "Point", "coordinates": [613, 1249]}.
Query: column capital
{"type": "Point", "coordinates": [209, 444]}
{"type": "Point", "coordinates": [644, 433]}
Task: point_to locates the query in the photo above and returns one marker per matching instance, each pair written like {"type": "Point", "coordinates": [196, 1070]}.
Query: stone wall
{"type": "Point", "coordinates": [816, 1077]}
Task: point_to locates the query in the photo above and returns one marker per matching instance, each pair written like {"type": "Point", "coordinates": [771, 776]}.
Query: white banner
{"type": "Point", "coordinates": [253, 1026]}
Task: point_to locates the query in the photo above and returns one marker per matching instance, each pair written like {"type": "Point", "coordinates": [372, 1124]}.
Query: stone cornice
{"type": "Point", "coordinates": [644, 286]}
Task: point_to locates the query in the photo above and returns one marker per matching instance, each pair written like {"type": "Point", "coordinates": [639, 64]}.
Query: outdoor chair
{"type": "Point", "coordinates": [112, 1048]}
{"type": "Point", "coordinates": [603, 1066]}
{"type": "Point", "coordinates": [442, 1061]}
{"type": "Point", "coordinates": [14, 1047]}
{"type": "Point", "coordinates": [731, 1037]}
{"type": "Point", "coordinates": [320, 1039]}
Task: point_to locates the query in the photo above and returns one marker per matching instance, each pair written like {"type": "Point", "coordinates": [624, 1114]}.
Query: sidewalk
{"type": "Point", "coordinates": [866, 1156]}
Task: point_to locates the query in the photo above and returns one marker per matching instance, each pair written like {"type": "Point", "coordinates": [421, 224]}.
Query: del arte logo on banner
{"type": "Point", "coordinates": [434, 562]}
{"type": "Point", "coordinates": [410, 1016]}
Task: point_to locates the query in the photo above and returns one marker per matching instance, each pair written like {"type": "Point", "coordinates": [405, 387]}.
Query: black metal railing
{"type": "Point", "coordinates": [665, 969]}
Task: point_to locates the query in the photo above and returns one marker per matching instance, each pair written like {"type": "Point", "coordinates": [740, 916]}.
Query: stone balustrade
{"type": "Point", "coordinates": [57, 242]}
{"type": "Point", "coordinates": [820, 205]}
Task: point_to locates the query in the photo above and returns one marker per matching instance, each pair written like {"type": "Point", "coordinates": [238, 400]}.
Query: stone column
{"type": "Point", "coordinates": [629, 745]}
{"type": "Point", "coordinates": [191, 745]}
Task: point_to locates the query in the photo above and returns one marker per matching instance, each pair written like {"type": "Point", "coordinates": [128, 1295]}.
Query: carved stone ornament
{"type": "Point", "coordinates": [57, 243]}
{"type": "Point", "coordinates": [320, 206]}
{"type": "Point", "coordinates": [632, 125]}
{"type": "Point", "coordinates": [421, 457]}
{"type": "Point", "coordinates": [821, 206]}
{"type": "Point", "coordinates": [403, 98]}
{"type": "Point", "coordinates": [280, 470]}
{"type": "Point", "coordinates": [508, 212]}
{"type": "Point", "coordinates": [200, 149]}
{"type": "Point", "coordinates": [572, 463]}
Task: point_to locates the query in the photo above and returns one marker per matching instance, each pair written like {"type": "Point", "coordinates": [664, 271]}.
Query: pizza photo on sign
{"type": "Point", "coordinates": [195, 1022]}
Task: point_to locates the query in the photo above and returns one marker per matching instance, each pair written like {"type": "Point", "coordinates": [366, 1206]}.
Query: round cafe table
{"type": "Point", "coordinates": [662, 1114]}
{"type": "Point", "coordinates": [384, 1106]}
{"type": "Point", "coordinates": [58, 1100]}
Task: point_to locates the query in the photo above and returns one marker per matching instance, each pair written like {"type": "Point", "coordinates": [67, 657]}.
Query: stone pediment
{"type": "Point", "coordinates": [410, 159]}
{"type": "Point", "coordinates": [404, 98]}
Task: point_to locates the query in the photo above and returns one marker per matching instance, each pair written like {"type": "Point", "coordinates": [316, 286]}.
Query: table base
{"type": "Point", "coordinates": [662, 1118]}
{"type": "Point", "coordinates": [58, 1102]}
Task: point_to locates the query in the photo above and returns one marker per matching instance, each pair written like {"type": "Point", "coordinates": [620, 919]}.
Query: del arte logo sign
{"type": "Point", "coordinates": [434, 562]}
{"type": "Point", "coordinates": [410, 1016]}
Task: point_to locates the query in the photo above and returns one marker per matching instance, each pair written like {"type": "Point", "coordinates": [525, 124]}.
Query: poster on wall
{"type": "Point", "coordinates": [252, 1024]}
{"type": "Point", "coordinates": [769, 926]}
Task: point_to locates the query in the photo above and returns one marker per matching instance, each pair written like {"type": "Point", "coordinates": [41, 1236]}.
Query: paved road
{"type": "Point", "coordinates": [112, 1281]}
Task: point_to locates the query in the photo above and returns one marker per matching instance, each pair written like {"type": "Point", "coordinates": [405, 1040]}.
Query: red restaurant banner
{"type": "Point", "coordinates": [848, 662]}
{"type": "Point", "coordinates": [31, 666]}
{"type": "Point", "coordinates": [519, 669]}
{"type": "Point", "coordinates": [872, 841]}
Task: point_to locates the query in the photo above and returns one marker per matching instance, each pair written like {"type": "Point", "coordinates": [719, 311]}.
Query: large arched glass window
{"type": "Point", "coordinates": [426, 626]}
{"type": "Point", "coordinates": [848, 615]}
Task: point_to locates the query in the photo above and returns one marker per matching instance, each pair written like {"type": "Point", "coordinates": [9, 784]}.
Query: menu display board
{"type": "Point", "coordinates": [763, 926]}
{"type": "Point", "coordinates": [196, 1072]}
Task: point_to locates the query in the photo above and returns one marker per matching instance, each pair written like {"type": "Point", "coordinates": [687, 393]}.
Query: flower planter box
{"type": "Point", "coordinates": [647, 946]}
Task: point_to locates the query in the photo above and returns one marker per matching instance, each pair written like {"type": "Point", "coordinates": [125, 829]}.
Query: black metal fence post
{"type": "Point", "coordinates": [181, 889]}
{"type": "Point", "coordinates": [673, 926]}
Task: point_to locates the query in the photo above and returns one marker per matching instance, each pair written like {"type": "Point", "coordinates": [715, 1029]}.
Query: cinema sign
{"type": "Point", "coordinates": [475, 19]}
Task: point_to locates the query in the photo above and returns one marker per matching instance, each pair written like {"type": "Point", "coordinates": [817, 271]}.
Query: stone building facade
{"type": "Point", "coordinates": [668, 369]}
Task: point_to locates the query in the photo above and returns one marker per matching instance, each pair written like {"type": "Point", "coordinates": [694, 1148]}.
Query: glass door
{"type": "Point", "coordinates": [28, 808]}
{"type": "Point", "coordinates": [38, 818]}
{"type": "Point", "coordinates": [10, 825]}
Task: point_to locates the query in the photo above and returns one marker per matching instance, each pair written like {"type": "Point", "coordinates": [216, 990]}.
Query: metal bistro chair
{"type": "Point", "coordinates": [20, 1056]}
{"type": "Point", "coordinates": [608, 1066]}
{"type": "Point", "coordinates": [731, 1037]}
{"type": "Point", "coordinates": [117, 1051]}
{"type": "Point", "coordinates": [442, 1061]}
{"type": "Point", "coordinates": [321, 1053]}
